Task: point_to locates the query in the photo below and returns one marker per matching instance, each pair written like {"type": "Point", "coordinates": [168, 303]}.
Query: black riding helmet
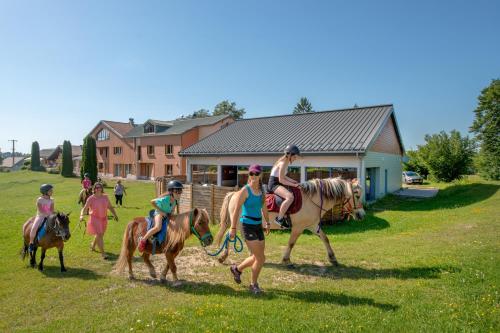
{"type": "Point", "coordinates": [174, 185]}
{"type": "Point", "coordinates": [45, 188]}
{"type": "Point", "coordinates": [292, 150]}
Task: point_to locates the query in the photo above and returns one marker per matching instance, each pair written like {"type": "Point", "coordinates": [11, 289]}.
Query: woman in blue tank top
{"type": "Point", "coordinates": [251, 201]}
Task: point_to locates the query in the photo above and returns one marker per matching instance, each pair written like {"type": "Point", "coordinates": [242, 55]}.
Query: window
{"type": "Point", "coordinates": [149, 128]}
{"type": "Point", "coordinates": [117, 150]}
{"type": "Point", "coordinates": [169, 149]}
{"type": "Point", "coordinates": [344, 173]}
{"type": "Point", "coordinates": [103, 135]}
{"type": "Point", "coordinates": [169, 169]}
{"type": "Point", "coordinates": [151, 150]}
{"type": "Point", "coordinates": [103, 152]}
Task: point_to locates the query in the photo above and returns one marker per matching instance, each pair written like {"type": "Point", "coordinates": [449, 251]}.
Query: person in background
{"type": "Point", "coordinates": [119, 192]}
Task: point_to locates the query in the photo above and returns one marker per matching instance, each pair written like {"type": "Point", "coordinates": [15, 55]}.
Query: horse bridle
{"type": "Point", "coordinates": [57, 227]}
{"type": "Point", "coordinates": [195, 232]}
{"type": "Point", "coordinates": [346, 202]}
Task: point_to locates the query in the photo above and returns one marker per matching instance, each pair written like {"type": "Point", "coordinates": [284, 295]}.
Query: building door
{"type": "Point", "coordinates": [385, 181]}
{"type": "Point", "coordinates": [371, 184]}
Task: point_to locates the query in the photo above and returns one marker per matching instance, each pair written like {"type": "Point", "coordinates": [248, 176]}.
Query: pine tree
{"type": "Point", "coordinates": [303, 106]}
{"type": "Point", "coordinates": [67, 160]}
{"type": "Point", "coordinates": [35, 157]}
{"type": "Point", "coordinates": [89, 159]}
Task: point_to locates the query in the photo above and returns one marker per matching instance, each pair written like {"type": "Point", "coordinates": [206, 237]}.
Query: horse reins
{"type": "Point", "coordinates": [193, 229]}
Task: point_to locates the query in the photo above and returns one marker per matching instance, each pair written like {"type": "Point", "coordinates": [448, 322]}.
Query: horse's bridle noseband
{"type": "Point", "coordinates": [195, 232]}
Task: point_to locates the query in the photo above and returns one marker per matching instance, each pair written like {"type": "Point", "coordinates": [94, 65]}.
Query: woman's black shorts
{"type": "Point", "coordinates": [273, 183]}
{"type": "Point", "coordinates": [253, 232]}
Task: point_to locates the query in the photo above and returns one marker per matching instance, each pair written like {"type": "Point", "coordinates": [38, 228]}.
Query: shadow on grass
{"type": "Point", "coordinates": [455, 196]}
{"type": "Point", "coordinates": [204, 288]}
{"type": "Point", "coordinates": [359, 273]}
{"type": "Point", "coordinates": [79, 273]}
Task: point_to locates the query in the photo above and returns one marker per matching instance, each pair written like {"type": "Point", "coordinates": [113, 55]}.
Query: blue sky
{"type": "Point", "coordinates": [65, 65]}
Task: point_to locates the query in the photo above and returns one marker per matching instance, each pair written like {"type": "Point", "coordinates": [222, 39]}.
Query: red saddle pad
{"type": "Point", "coordinates": [273, 201]}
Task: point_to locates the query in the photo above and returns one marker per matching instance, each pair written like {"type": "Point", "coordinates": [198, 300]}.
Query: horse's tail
{"type": "Point", "coordinates": [24, 251]}
{"type": "Point", "coordinates": [128, 245]}
{"type": "Point", "coordinates": [225, 218]}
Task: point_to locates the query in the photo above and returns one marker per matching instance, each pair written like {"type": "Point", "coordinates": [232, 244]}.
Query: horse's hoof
{"type": "Point", "coordinates": [63, 269]}
{"type": "Point", "coordinates": [163, 280]}
{"type": "Point", "coordinates": [40, 268]}
{"type": "Point", "coordinates": [221, 260]}
{"type": "Point", "coordinates": [153, 274]}
{"type": "Point", "coordinates": [131, 277]}
{"type": "Point", "coordinates": [177, 283]}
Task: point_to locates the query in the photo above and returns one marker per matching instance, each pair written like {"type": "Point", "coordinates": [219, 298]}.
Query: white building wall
{"type": "Point", "coordinates": [394, 171]}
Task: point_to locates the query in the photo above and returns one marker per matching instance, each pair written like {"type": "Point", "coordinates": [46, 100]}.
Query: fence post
{"type": "Point", "coordinates": [191, 196]}
{"type": "Point", "coordinates": [212, 203]}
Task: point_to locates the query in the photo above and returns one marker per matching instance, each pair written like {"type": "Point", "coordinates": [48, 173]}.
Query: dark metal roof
{"type": "Point", "coordinates": [178, 126]}
{"type": "Point", "coordinates": [345, 131]}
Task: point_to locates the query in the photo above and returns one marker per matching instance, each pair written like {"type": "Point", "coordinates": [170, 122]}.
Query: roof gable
{"type": "Point", "coordinates": [345, 131]}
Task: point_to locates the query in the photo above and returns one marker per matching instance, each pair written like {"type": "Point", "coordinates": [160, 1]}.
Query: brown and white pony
{"type": "Point", "coordinates": [57, 233]}
{"type": "Point", "coordinates": [318, 197]}
{"type": "Point", "coordinates": [180, 227]}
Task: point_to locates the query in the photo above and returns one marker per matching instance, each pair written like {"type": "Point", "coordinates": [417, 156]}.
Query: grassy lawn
{"type": "Point", "coordinates": [411, 265]}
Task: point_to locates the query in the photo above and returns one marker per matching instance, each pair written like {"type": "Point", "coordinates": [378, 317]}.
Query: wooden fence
{"type": "Point", "coordinates": [211, 197]}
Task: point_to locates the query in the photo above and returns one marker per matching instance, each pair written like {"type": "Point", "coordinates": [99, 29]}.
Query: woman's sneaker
{"type": "Point", "coordinates": [236, 273]}
{"type": "Point", "coordinates": [255, 289]}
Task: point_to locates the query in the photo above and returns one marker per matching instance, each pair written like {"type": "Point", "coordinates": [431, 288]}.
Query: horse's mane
{"type": "Point", "coordinates": [332, 188]}
{"type": "Point", "coordinates": [178, 228]}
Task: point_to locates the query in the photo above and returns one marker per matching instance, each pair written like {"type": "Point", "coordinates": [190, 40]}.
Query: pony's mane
{"type": "Point", "coordinates": [332, 188]}
{"type": "Point", "coordinates": [178, 228]}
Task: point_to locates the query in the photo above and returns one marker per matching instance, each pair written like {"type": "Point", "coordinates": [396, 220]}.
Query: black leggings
{"type": "Point", "coordinates": [119, 198]}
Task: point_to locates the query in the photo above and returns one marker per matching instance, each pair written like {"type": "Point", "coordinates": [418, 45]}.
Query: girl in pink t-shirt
{"type": "Point", "coordinates": [97, 206]}
{"type": "Point", "coordinates": [44, 207]}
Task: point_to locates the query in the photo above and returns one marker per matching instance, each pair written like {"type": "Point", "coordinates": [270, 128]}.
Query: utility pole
{"type": "Point", "coordinates": [13, 150]}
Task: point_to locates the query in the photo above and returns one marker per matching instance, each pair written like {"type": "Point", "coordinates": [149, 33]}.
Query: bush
{"type": "Point", "coordinates": [53, 171]}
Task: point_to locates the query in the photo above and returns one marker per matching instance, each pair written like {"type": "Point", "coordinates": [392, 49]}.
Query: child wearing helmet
{"type": "Point", "coordinates": [278, 180]}
{"type": "Point", "coordinates": [86, 182]}
{"type": "Point", "coordinates": [164, 206]}
{"type": "Point", "coordinates": [45, 207]}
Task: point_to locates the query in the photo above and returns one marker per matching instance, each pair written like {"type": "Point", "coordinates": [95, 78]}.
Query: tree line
{"type": "Point", "coordinates": [446, 157]}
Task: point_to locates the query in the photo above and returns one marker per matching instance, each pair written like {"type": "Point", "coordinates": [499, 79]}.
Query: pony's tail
{"type": "Point", "coordinates": [225, 218]}
{"type": "Point", "coordinates": [127, 246]}
{"type": "Point", "coordinates": [24, 251]}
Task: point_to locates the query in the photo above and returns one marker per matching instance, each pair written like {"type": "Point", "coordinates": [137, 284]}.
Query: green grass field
{"type": "Point", "coordinates": [411, 265]}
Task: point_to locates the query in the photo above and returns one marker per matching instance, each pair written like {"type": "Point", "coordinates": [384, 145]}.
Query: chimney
{"type": "Point", "coordinates": [131, 121]}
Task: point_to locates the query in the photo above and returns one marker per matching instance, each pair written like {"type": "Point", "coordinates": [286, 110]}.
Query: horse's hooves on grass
{"type": "Point", "coordinates": [335, 263]}
{"type": "Point", "coordinates": [131, 277]}
{"type": "Point", "coordinates": [163, 280]}
{"type": "Point", "coordinates": [63, 270]}
{"type": "Point", "coordinates": [177, 283]}
{"type": "Point", "coordinates": [221, 260]}
{"type": "Point", "coordinates": [40, 268]}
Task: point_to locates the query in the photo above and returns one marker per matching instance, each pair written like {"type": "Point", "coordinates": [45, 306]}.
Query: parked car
{"type": "Point", "coordinates": [411, 177]}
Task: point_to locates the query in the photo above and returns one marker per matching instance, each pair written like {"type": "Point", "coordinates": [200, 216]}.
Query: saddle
{"type": "Point", "coordinates": [158, 238]}
{"type": "Point", "coordinates": [274, 201]}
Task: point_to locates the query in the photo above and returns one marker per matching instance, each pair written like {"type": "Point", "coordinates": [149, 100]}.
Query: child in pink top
{"type": "Point", "coordinates": [45, 207]}
{"type": "Point", "coordinates": [97, 205]}
{"type": "Point", "coordinates": [86, 182]}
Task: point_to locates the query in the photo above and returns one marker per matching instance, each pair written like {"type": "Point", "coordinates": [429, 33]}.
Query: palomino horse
{"type": "Point", "coordinates": [180, 227]}
{"type": "Point", "coordinates": [318, 197]}
{"type": "Point", "coordinates": [57, 232]}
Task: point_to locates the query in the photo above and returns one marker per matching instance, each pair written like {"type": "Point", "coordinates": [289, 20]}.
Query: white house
{"type": "Point", "coordinates": [362, 142]}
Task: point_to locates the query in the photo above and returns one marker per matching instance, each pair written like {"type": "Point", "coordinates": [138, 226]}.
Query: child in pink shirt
{"type": "Point", "coordinates": [45, 207]}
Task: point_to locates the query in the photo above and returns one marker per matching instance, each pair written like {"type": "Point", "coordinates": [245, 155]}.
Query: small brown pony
{"type": "Point", "coordinates": [57, 233]}
{"type": "Point", "coordinates": [180, 227]}
{"type": "Point", "coordinates": [318, 197]}
{"type": "Point", "coordinates": [84, 195]}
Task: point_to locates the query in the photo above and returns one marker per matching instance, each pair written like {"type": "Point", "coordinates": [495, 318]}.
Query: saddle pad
{"type": "Point", "coordinates": [42, 230]}
{"type": "Point", "coordinates": [273, 201]}
{"type": "Point", "coordinates": [161, 235]}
